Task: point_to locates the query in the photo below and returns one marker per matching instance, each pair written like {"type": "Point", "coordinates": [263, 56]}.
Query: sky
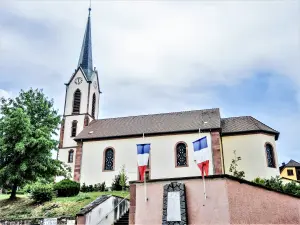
{"type": "Point", "coordinates": [163, 56]}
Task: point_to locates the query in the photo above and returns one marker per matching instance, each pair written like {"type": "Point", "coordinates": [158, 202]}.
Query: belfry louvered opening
{"type": "Point", "coordinates": [93, 105]}
{"type": "Point", "coordinates": [76, 101]}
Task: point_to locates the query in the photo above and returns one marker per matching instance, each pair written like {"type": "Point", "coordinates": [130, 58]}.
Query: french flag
{"type": "Point", "coordinates": [143, 151]}
{"type": "Point", "coordinates": [202, 154]}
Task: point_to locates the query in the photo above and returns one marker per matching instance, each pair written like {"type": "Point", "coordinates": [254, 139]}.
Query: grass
{"type": "Point", "coordinates": [23, 207]}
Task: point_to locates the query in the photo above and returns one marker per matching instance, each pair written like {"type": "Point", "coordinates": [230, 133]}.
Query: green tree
{"type": "Point", "coordinates": [27, 130]}
{"type": "Point", "coordinates": [123, 178]}
{"type": "Point", "coordinates": [234, 165]}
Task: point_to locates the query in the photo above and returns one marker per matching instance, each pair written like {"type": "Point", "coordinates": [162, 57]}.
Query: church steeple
{"type": "Point", "coordinates": [86, 59]}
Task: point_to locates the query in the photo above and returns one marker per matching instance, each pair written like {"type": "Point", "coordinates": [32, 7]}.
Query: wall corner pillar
{"type": "Point", "coordinates": [216, 152]}
{"type": "Point", "coordinates": [132, 190]}
{"type": "Point", "coordinates": [78, 158]}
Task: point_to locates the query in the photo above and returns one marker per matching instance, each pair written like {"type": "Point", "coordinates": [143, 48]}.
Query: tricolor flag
{"type": "Point", "coordinates": [143, 151]}
{"type": "Point", "coordinates": [202, 154]}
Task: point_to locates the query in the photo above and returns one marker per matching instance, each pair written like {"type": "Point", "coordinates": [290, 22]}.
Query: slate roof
{"type": "Point", "coordinates": [174, 122]}
{"type": "Point", "coordinates": [245, 124]}
{"type": "Point", "coordinates": [153, 124]}
{"type": "Point", "coordinates": [292, 163]}
{"type": "Point", "coordinates": [86, 59]}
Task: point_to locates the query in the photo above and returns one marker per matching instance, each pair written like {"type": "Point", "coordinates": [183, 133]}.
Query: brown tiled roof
{"type": "Point", "coordinates": [152, 124]}
{"type": "Point", "coordinates": [174, 122]}
{"type": "Point", "coordinates": [244, 124]}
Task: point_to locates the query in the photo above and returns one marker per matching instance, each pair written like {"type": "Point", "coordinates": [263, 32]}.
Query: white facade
{"type": "Point", "coordinates": [162, 158]}
{"type": "Point", "coordinates": [87, 89]}
{"type": "Point", "coordinates": [251, 149]}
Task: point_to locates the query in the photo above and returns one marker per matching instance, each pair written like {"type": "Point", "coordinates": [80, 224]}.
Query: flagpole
{"type": "Point", "coordinates": [145, 186]}
{"type": "Point", "coordinates": [203, 179]}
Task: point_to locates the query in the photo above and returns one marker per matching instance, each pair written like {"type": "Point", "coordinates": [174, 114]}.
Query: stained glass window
{"type": "Point", "coordinates": [109, 159]}
{"type": "Point", "coordinates": [181, 155]}
{"type": "Point", "coordinates": [93, 105]}
{"type": "Point", "coordinates": [270, 155]}
{"type": "Point", "coordinates": [71, 155]}
{"type": "Point", "coordinates": [76, 101]}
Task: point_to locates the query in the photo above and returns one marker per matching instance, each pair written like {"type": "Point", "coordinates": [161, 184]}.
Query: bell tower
{"type": "Point", "coordinates": [81, 100]}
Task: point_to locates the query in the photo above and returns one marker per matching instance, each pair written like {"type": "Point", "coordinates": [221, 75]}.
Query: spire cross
{"type": "Point", "coordinates": [90, 8]}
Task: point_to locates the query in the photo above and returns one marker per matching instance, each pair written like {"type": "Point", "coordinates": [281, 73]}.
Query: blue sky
{"type": "Point", "coordinates": [240, 56]}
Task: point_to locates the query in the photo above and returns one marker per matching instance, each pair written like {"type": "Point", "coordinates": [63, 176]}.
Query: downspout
{"type": "Point", "coordinates": [222, 152]}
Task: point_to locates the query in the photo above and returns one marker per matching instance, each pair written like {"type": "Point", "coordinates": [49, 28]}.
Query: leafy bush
{"type": "Point", "coordinates": [275, 183]}
{"type": "Point", "coordinates": [115, 186]}
{"type": "Point", "coordinates": [27, 188]}
{"type": "Point", "coordinates": [120, 181]}
{"type": "Point", "coordinates": [82, 196]}
{"type": "Point", "coordinates": [90, 188]}
{"type": "Point", "coordinates": [100, 187]}
{"type": "Point", "coordinates": [84, 188]}
{"type": "Point", "coordinates": [233, 167]}
{"type": "Point", "coordinates": [67, 188]}
{"type": "Point", "coordinates": [42, 193]}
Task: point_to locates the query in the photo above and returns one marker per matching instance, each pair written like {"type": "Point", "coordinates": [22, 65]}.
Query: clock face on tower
{"type": "Point", "coordinates": [95, 84]}
{"type": "Point", "coordinates": [78, 80]}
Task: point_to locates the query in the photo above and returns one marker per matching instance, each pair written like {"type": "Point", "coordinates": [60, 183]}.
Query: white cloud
{"type": "Point", "coordinates": [148, 53]}
{"type": "Point", "coordinates": [5, 94]}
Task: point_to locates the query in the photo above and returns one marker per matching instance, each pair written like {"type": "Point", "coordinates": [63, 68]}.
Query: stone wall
{"type": "Point", "coordinates": [40, 221]}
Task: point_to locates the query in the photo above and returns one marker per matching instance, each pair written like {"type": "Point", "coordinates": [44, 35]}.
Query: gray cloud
{"type": "Point", "coordinates": [152, 56]}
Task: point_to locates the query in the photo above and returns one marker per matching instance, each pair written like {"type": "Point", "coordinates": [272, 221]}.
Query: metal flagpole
{"type": "Point", "coordinates": [203, 179]}
{"type": "Point", "coordinates": [145, 186]}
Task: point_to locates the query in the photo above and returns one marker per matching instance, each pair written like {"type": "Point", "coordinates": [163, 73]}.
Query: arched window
{"type": "Point", "coordinates": [74, 128]}
{"type": "Point", "coordinates": [70, 156]}
{"type": "Point", "coordinates": [109, 159]}
{"type": "Point", "coordinates": [270, 156]}
{"type": "Point", "coordinates": [93, 105]}
{"type": "Point", "coordinates": [76, 101]}
{"type": "Point", "coordinates": [181, 154]}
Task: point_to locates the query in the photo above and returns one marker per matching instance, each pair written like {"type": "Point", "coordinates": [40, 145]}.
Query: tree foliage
{"type": "Point", "coordinates": [233, 166]}
{"type": "Point", "coordinates": [120, 181]}
{"type": "Point", "coordinates": [27, 129]}
{"type": "Point", "coordinates": [123, 178]}
{"type": "Point", "coordinates": [275, 183]}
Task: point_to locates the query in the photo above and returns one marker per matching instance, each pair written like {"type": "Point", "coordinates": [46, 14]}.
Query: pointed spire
{"type": "Point", "coordinates": [86, 59]}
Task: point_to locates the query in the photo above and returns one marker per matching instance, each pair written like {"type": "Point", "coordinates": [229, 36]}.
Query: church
{"type": "Point", "coordinates": [97, 149]}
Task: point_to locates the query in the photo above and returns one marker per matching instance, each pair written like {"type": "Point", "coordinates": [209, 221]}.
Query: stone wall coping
{"type": "Point", "coordinates": [95, 203]}
{"type": "Point", "coordinates": [211, 177]}
{"type": "Point", "coordinates": [2, 220]}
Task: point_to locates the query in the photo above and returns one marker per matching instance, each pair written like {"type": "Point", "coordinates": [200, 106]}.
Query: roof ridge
{"type": "Point", "coordinates": [262, 123]}
{"type": "Point", "coordinates": [234, 117]}
{"type": "Point", "coordinates": [121, 117]}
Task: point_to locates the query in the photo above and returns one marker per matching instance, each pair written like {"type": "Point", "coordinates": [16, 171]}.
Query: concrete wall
{"type": "Point", "coordinates": [105, 210]}
{"type": "Point", "coordinates": [228, 202]}
{"type": "Point", "coordinates": [251, 148]}
{"type": "Point", "coordinates": [248, 204]}
{"type": "Point", "coordinates": [215, 210]}
{"type": "Point", "coordinates": [162, 158]}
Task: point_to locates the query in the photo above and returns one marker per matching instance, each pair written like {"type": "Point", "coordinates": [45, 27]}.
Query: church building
{"type": "Point", "coordinates": [97, 148]}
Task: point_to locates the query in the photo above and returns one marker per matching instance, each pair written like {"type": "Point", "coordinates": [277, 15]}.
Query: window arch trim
{"type": "Point", "coordinates": [273, 155]}
{"type": "Point", "coordinates": [69, 153]}
{"type": "Point", "coordinates": [186, 152]}
{"type": "Point", "coordinates": [73, 102]}
{"type": "Point", "coordinates": [103, 161]}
